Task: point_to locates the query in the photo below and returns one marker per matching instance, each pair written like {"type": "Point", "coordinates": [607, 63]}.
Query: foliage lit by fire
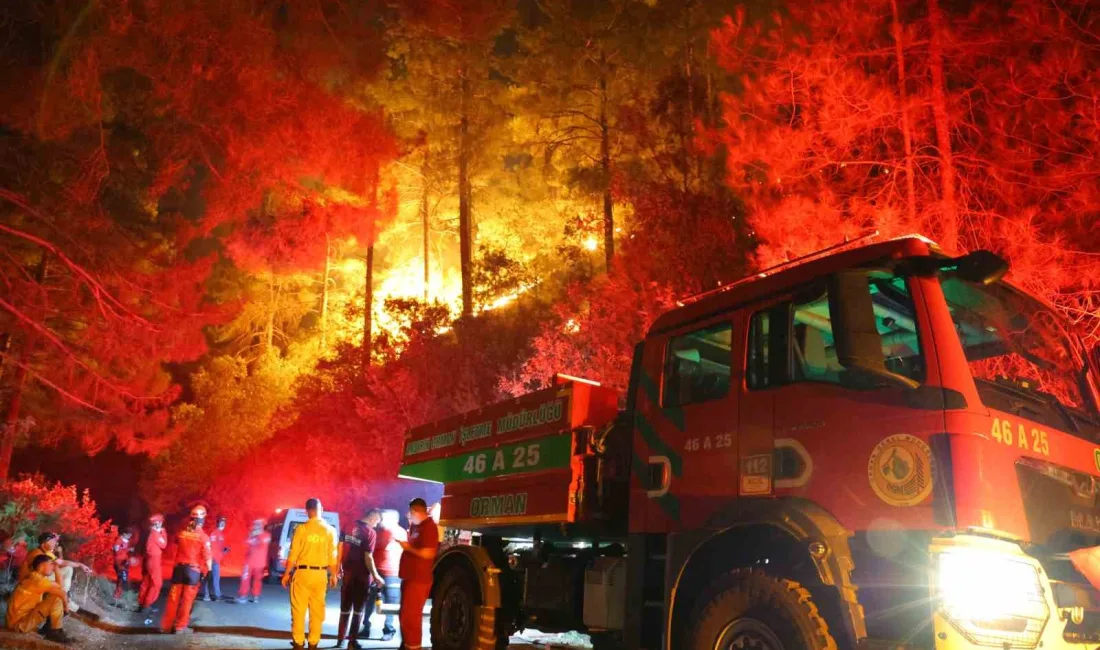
{"type": "Point", "coordinates": [241, 235]}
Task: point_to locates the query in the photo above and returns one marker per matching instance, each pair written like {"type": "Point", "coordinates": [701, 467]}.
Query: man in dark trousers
{"type": "Point", "coordinates": [358, 570]}
{"type": "Point", "coordinates": [212, 584]}
{"type": "Point", "coordinates": [416, 572]}
{"type": "Point", "coordinates": [122, 551]}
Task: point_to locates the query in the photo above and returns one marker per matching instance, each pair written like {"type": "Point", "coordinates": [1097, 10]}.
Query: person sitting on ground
{"type": "Point", "coordinates": [39, 600]}
{"type": "Point", "coordinates": [48, 545]}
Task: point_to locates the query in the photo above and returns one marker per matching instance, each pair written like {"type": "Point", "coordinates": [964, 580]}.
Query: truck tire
{"type": "Point", "coordinates": [458, 621]}
{"type": "Point", "coordinates": [606, 641]}
{"type": "Point", "coordinates": [750, 610]}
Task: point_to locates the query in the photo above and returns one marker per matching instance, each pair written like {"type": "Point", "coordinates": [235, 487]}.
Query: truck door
{"type": "Point", "coordinates": [759, 462]}
{"type": "Point", "coordinates": [686, 427]}
{"type": "Point", "coordinates": [857, 445]}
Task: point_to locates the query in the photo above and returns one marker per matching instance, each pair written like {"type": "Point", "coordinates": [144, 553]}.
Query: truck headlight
{"type": "Point", "coordinates": [992, 599]}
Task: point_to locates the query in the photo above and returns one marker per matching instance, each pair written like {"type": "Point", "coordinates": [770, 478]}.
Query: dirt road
{"type": "Point", "coordinates": [231, 626]}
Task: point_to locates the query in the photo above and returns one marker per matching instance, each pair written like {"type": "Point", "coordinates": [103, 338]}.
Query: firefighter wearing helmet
{"type": "Point", "coordinates": [152, 573]}
{"type": "Point", "coordinates": [192, 563]}
{"type": "Point", "coordinates": [255, 561]}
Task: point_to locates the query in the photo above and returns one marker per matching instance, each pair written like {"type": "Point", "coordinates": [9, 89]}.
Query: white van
{"type": "Point", "coordinates": [281, 525]}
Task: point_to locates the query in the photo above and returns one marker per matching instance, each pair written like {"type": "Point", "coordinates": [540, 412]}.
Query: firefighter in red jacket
{"type": "Point", "coordinates": [255, 561]}
{"type": "Point", "coordinates": [192, 563]}
{"type": "Point", "coordinates": [151, 568]}
{"type": "Point", "coordinates": [121, 549]}
{"type": "Point", "coordinates": [416, 572]}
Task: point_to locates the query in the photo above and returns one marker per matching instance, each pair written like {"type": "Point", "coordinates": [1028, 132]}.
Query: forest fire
{"type": "Point", "coordinates": [238, 231]}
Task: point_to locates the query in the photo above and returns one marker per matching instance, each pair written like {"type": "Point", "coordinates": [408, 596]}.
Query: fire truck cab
{"type": "Point", "coordinates": [878, 445]}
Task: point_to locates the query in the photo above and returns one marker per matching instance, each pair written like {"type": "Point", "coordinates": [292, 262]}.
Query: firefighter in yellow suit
{"type": "Point", "coordinates": [312, 554]}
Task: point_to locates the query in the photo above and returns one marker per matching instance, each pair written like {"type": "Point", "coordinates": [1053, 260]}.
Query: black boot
{"type": "Point", "coordinates": [57, 636]}
{"type": "Point", "coordinates": [342, 629]}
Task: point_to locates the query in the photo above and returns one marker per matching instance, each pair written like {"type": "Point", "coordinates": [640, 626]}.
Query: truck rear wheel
{"type": "Point", "coordinates": [750, 610]}
{"type": "Point", "coordinates": [458, 621]}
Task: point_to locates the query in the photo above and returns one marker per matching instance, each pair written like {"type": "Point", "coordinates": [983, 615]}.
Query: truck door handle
{"type": "Point", "coordinates": [660, 476]}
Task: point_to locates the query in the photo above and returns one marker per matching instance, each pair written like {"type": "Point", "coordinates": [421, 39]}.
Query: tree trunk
{"type": "Point", "coordinates": [465, 221]}
{"type": "Point", "coordinates": [368, 288]}
{"type": "Point", "coordinates": [5, 346]}
{"type": "Point", "coordinates": [15, 402]}
{"type": "Point", "coordinates": [269, 329]}
{"type": "Point", "coordinates": [425, 169]}
{"type": "Point", "coordinates": [949, 229]}
{"type": "Point", "coordinates": [324, 294]}
{"type": "Point", "coordinates": [687, 128]}
{"type": "Point", "coordinates": [368, 309]}
{"type": "Point", "coordinates": [605, 167]}
{"type": "Point", "coordinates": [906, 129]}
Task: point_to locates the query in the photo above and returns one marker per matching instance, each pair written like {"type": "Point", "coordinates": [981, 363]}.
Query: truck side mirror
{"type": "Point", "coordinates": [981, 266]}
{"type": "Point", "coordinates": [855, 334]}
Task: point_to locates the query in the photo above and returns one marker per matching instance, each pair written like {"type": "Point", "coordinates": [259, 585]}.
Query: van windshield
{"type": "Point", "coordinates": [1020, 354]}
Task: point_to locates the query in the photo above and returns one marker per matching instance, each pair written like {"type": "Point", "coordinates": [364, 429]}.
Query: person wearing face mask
{"type": "Point", "coordinates": [152, 574]}
{"type": "Point", "coordinates": [417, 559]}
{"type": "Point", "coordinates": [387, 559]}
{"type": "Point", "coordinates": [192, 563]}
{"type": "Point", "coordinates": [255, 561]}
{"type": "Point", "coordinates": [212, 586]}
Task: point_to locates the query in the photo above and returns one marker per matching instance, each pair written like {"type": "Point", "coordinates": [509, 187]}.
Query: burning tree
{"type": "Point", "coordinates": [977, 128]}
{"type": "Point", "coordinates": [166, 135]}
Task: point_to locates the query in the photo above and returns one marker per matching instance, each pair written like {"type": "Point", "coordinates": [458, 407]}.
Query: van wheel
{"type": "Point", "coordinates": [750, 610]}
{"type": "Point", "coordinates": [458, 621]}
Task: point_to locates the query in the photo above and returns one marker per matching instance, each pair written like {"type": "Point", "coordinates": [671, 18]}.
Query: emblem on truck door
{"type": "Point", "coordinates": [900, 470]}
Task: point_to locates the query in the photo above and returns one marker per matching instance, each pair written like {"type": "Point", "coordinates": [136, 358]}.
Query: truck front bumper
{"type": "Point", "coordinates": [988, 593]}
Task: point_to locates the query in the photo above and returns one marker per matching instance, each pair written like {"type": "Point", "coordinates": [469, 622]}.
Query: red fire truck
{"type": "Point", "coordinates": [876, 446]}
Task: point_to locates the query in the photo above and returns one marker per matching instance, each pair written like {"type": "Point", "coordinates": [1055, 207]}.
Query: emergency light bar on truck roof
{"type": "Point", "coordinates": [772, 270]}
{"type": "Point", "coordinates": [779, 267]}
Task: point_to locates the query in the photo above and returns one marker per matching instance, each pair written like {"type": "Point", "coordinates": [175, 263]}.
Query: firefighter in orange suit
{"type": "Point", "coordinates": [312, 554]}
{"type": "Point", "coordinates": [255, 561]}
{"type": "Point", "coordinates": [192, 563]}
{"type": "Point", "coordinates": [416, 572]}
{"type": "Point", "coordinates": [151, 571]}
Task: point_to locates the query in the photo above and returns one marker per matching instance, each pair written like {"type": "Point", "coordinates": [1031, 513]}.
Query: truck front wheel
{"type": "Point", "coordinates": [458, 621]}
{"type": "Point", "coordinates": [750, 610]}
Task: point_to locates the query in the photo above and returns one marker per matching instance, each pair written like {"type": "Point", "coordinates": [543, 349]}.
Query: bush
{"type": "Point", "coordinates": [31, 505]}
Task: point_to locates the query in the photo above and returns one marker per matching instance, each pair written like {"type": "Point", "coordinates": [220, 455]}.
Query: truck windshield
{"type": "Point", "coordinates": [1019, 354]}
